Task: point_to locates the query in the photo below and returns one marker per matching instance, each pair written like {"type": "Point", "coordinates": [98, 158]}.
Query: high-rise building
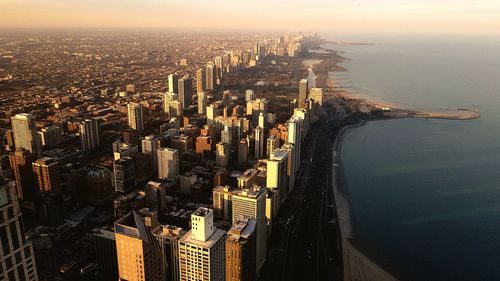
{"type": "Point", "coordinates": [105, 251]}
{"type": "Point", "coordinates": [273, 143]}
{"type": "Point", "coordinates": [202, 250]}
{"type": "Point", "coordinates": [303, 89]}
{"type": "Point", "coordinates": [277, 176]}
{"type": "Point", "coordinates": [17, 260]}
{"type": "Point", "coordinates": [202, 102]}
{"type": "Point", "coordinates": [138, 253]}
{"type": "Point", "coordinates": [168, 163]}
{"type": "Point", "coordinates": [211, 76]}
{"type": "Point", "coordinates": [25, 134]}
{"type": "Point", "coordinates": [205, 146]}
{"type": "Point", "coordinates": [222, 201]}
{"type": "Point", "coordinates": [21, 163]}
{"type": "Point", "coordinates": [173, 80]}
{"type": "Point", "coordinates": [259, 142]}
{"type": "Point", "coordinates": [295, 137]}
{"type": "Point", "coordinates": [201, 80]}
{"type": "Point", "coordinates": [243, 152]}
{"type": "Point", "coordinates": [317, 96]}
{"type": "Point", "coordinates": [251, 203]}
{"type": "Point", "coordinates": [135, 116]}
{"type": "Point", "coordinates": [156, 193]}
{"type": "Point", "coordinates": [89, 135]}
{"type": "Point", "coordinates": [124, 173]}
{"type": "Point", "coordinates": [222, 154]}
{"type": "Point", "coordinates": [241, 250]}
{"type": "Point", "coordinates": [50, 136]}
{"type": "Point", "coordinates": [185, 85]}
{"type": "Point", "coordinates": [149, 148]}
{"type": "Point", "coordinates": [219, 63]}
{"type": "Point", "coordinates": [176, 109]}
{"type": "Point", "coordinates": [168, 238]}
{"type": "Point", "coordinates": [167, 98]}
{"type": "Point", "coordinates": [46, 172]}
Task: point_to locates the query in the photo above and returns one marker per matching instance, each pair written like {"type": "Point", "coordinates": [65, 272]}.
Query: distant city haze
{"type": "Point", "coordinates": [361, 16]}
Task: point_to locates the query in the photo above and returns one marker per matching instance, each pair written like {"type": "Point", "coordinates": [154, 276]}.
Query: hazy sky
{"type": "Point", "coordinates": [470, 16]}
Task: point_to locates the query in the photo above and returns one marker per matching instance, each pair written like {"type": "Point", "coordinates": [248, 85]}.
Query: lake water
{"type": "Point", "coordinates": [426, 193]}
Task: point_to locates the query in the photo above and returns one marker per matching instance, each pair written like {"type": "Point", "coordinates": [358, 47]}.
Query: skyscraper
{"type": "Point", "coordinates": [249, 95]}
{"type": "Point", "coordinates": [46, 172]}
{"type": "Point", "coordinates": [222, 154]}
{"type": "Point", "coordinates": [21, 163]}
{"type": "Point", "coordinates": [105, 250]}
{"type": "Point", "coordinates": [89, 135]}
{"type": "Point", "coordinates": [202, 249]}
{"type": "Point", "coordinates": [149, 148]}
{"type": "Point", "coordinates": [138, 253]}
{"type": "Point", "coordinates": [185, 85]}
{"type": "Point", "coordinates": [168, 238]}
{"type": "Point", "coordinates": [222, 201]}
{"type": "Point", "coordinates": [124, 172]}
{"type": "Point", "coordinates": [135, 116]}
{"type": "Point", "coordinates": [277, 176]}
{"type": "Point", "coordinates": [243, 152]}
{"type": "Point", "coordinates": [241, 250]}
{"type": "Point", "coordinates": [259, 142]}
{"type": "Point", "coordinates": [251, 203]}
{"type": "Point", "coordinates": [168, 163]}
{"type": "Point", "coordinates": [273, 142]}
{"type": "Point", "coordinates": [202, 102]}
{"type": "Point", "coordinates": [25, 134]}
{"type": "Point", "coordinates": [211, 76]}
{"type": "Point", "coordinates": [50, 136]}
{"type": "Point", "coordinates": [201, 80]}
{"type": "Point", "coordinates": [295, 137]}
{"type": "Point", "coordinates": [173, 80]}
{"type": "Point", "coordinates": [303, 89]}
{"type": "Point", "coordinates": [17, 260]}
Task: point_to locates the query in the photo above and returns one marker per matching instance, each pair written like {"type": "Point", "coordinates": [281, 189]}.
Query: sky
{"type": "Point", "coordinates": [356, 16]}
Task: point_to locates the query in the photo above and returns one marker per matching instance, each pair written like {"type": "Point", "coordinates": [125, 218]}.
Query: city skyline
{"type": "Point", "coordinates": [450, 16]}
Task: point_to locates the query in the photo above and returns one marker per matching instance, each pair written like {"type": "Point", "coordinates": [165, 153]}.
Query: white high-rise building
{"type": "Point", "coordinates": [17, 262]}
{"type": "Point", "coordinates": [25, 134]}
{"type": "Point", "coordinates": [168, 163]}
{"type": "Point", "coordinates": [249, 95]}
{"type": "Point", "coordinates": [210, 115]}
{"type": "Point", "coordinates": [173, 80]}
{"type": "Point", "coordinates": [89, 135]}
{"type": "Point", "coordinates": [277, 176]}
{"type": "Point", "coordinates": [150, 148]}
{"type": "Point", "coordinates": [135, 116]}
{"type": "Point", "coordinates": [167, 98]}
{"type": "Point", "coordinates": [251, 203]}
{"type": "Point", "coordinates": [202, 250]}
{"type": "Point", "coordinates": [295, 137]}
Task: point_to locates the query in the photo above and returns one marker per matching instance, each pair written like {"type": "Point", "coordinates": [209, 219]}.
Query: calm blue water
{"type": "Point", "coordinates": [426, 193]}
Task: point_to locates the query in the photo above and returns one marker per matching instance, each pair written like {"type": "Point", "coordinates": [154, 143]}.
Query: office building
{"type": "Point", "coordinates": [173, 80]}
{"type": "Point", "coordinates": [156, 193]}
{"type": "Point", "coordinates": [303, 89]}
{"type": "Point", "coordinates": [251, 203]}
{"type": "Point", "coordinates": [135, 116]}
{"type": "Point", "coordinates": [105, 252]}
{"type": "Point", "coordinates": [185, 93]}
{"type": "Point", "coordinates": [222, 201]}
{"type": "Point", "coordinates": [222, 152]}
{"type": "Point", "coordinates": [46, 171]}
{"type": "Point", "coordinates": [211, 75]}
{"type": "Point", "coordinates": [168, 163]}
{"type": "Point", "coordinates": [243, 153]}
{"type": "Point", "coordinates": [277, 176]}
{"type": "Point", "coordinates": [295, 137]}
{"type": "Point", "coordinates": [150, 146]}
{"type": "Point", "coordinates": [201, 80]}
{"type": "Point", "coordinates": [202, 249]}
{"type": "Point", "coordinates": [89, 135]}
{"type": "Point", "coordinates": [50, 136]}
{"type": "Point", "coordinates": [241, 250]}
{"type": "Point", "coordinates": [138, 253]}
{"type": "Point", "coordinates": [17, 260]}
{"type": "Point", "coordinates": [202, 102]}
{"type": "Point", "coordinates": [21, 162]}
{"type": "Point", "coordinates": [25, 134]}
{"type": "Point", "coordinates": [273, 143]}
{"type": "Point", "coordinates": [124, 174]}
{"type": "Point", "coordinates": [168, 237]}
{"type": "Point", "coordinates": [259, 142]}
{"type": "Point", "coordinates": [249, 95]}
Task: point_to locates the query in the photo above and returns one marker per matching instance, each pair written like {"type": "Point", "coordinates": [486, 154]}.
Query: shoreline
{"type": "Point", "coordinates": [356, 264]}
